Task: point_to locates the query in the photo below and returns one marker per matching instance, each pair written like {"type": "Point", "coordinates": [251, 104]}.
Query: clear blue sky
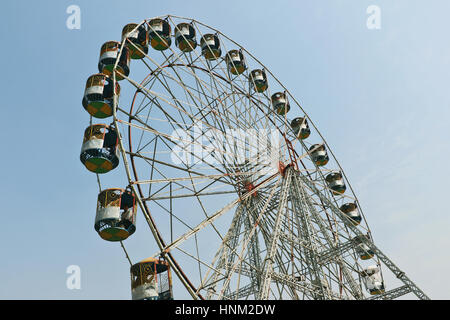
{"type": "Point", "coordinates": [380, 98]}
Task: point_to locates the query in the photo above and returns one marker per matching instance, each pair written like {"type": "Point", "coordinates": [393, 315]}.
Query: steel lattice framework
{"type": "Point", "coordinates": [235, 223]}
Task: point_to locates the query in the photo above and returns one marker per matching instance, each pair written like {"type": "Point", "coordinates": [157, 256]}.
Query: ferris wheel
{"type": "Point", "coordinates": [241, 192]}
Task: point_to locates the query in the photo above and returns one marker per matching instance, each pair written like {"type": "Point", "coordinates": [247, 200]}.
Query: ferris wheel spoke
{"type": "Point", "coordinates": [255, 102]}
{"type": "Point", "coordinates": [188, 89]}
{"type": "Point", "coordinates": [150, 93]}
{"type": "Point", "coordinates": [159, 195]}
{"type": "Point", "coordinates": [201, 82]}
{"type": "Point", "coordinates": [213, 177]}
{"type": "Point", "coordinates": [155, 78]}
{"type": "Point", "coordinates": [155, 168]}
{"type": "Point", "coordinates": [204, 212]}
{"type": "Point", "coordinates": [236, 117]}
{"type": "Point", "coordinates": [200, 226]}
{"type": "Point", "coordinates": [208, 266]}
{"type": "Point", "coordinates": [164, 135]}
{"type": "Point", "coordinates": [173, 215]}
{"type": "Point", "coordinates": [199, 194]}
{"type": "Point", "coordinates": [140, 149]}
{"type": "Point", "coordinates": [208, 221]}
{"type": "Point", "coordinates": [223, 92]}
{"type": "Point", "coordinates": [178, 105]}
{"type": "Point", "coordinates": [174, 166]}
{"type": "Point", "coordinates": [188, 95]}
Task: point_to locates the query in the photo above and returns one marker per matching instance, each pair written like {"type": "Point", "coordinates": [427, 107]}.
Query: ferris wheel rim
{"type": "Point", "coordinates": [132, 157]}
{"type": "Point", "coordinates": [304, 253]}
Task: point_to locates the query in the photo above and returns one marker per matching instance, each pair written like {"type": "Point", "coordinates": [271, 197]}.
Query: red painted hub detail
{"type": "Point", "coordinates": [250, 187]}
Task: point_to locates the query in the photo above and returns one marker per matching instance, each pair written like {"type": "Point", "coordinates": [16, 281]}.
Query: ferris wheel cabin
{"type": "Point", "coordinates": [98, 96]}
{"type": "Point", "coordinates": [301, 128]}
{"type": "Point", "coordinates": [137, 40]}
{"type": "Point", "coordinates": [115, 219]}
{"type": "Point", "coordinates": [108, 54]}
{"type": "Point", "coordinates": [362, 249]}
{"type": "Point", "coordinates": [280, 103]}
{"type": "Point", "coordinates": [235, 62]}
{"type": "Point", "coordinates": [319, 154]}
{"type": "Point", "coordinates": [210, 45]}
{"type": "Point", "coordinates": [99, 152]}
{"type": "Point", "coordinates": [351, 212]}
{"type": "Point", "coordinates": [372, 280]}
{"type": "Point", "coordinates": [258, 80]}
{"type": "Point", "coordinates": [151, 279]}
{"type": "Point", "coordinates": [159, 34]}
{"type": "Point", "coordinates": [185, 37]}
{"type": "Point", "coordinates": [335, 182]}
